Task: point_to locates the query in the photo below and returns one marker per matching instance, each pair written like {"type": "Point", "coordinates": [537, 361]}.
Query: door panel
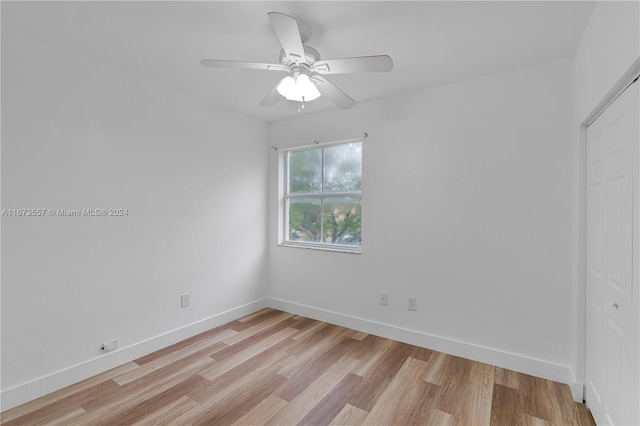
{"type": "Point", "coordinates": [612, 356]}
{"type": "Point", "coordinates": [595, 344]}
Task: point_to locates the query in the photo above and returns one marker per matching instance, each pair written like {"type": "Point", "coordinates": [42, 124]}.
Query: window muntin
{"type": "Point", "coordinates": [323, 196]}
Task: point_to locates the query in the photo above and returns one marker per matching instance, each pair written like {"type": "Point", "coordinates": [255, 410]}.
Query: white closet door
{"type": "Point", "coordinates": [612, 357]}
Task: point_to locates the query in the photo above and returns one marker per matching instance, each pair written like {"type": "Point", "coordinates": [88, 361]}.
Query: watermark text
{"type": "Point", "coordinates": [38, 212]}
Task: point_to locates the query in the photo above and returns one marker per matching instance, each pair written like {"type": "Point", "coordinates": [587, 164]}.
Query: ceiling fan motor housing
{"type": "Point", "coordinates": [311, 56]}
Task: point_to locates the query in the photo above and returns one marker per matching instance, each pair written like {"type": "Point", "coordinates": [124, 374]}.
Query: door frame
{"type": "Point", "coordinates": [578, 392]}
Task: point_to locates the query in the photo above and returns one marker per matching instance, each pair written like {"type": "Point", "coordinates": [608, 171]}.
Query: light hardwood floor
{"type": "Point", "coordinates": [276, 368]}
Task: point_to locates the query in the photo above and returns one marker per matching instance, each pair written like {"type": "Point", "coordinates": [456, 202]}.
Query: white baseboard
{"type": "Point", "coordinates": [60, 379]}
{"type": "Point", "coordinates": [516, 362]}
{"type": "Point", "coordinates": [577, 388]}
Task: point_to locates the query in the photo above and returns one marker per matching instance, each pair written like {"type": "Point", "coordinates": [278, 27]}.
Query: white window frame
{"type": "Point", "coordinates": [285, 197]}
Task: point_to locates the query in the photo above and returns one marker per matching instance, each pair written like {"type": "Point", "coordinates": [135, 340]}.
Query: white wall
{"type": "Point", "coordinates": [608, 51]}
{"type": "Point", "coordinates": [466, 206]}
{"type": "Point", "coordinates": [79, 134]}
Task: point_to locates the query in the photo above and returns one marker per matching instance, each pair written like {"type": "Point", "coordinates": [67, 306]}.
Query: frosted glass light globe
{"type": "Point", "coordinates": [300, 89]}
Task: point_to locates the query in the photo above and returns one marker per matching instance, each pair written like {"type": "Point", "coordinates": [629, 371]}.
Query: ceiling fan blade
{"type": "Point", "coordinates": [337, 96]}
{"type": "Point", "coordinates": [379, 63]}
{"type": "Point", "coordinates": [216, 63]}
{"type": "Point", "coordinates": [273, 96]}
{"type": "Point", "coordinates": [288, 33]}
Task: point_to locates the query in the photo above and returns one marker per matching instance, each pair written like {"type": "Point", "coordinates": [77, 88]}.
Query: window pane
{"type": "Point", "coordinates": [305, 171]}
{"type": "Point", "coordinates": [304, 220]}
{"type": "Point", "coordinates": [343, 167]}
{"type": "Point", "coordinates": [342, 220]}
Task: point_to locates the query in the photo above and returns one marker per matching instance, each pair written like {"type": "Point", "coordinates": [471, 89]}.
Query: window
{"type": "Point", "coordinates": [323, 196]}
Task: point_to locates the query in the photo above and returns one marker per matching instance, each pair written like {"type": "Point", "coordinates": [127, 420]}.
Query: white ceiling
{"type": "Point", "coordinates": [431, 43]}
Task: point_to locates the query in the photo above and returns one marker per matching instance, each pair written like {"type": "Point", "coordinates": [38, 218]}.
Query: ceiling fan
{"type": "Point", "coordinates": [306, 69]}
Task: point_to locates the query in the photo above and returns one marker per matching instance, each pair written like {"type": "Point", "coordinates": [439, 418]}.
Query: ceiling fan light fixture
{"type": "Point", "coordinates": [302, 62]}
{"type": "Point", "coordinates": [299, 89]}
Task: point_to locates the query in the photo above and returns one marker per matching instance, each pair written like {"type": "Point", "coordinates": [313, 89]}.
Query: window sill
{"type": "Point", "coordinates": [324, 247]}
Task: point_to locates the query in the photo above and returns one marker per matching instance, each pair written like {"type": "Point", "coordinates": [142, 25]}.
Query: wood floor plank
{"type": "Point", "coordinates": [60, 408]}
{"type": "Point", "coordinates": [373, 350]}
{"type": "Point", "coordinates": [301, 323]}
{"type": "Point", "coordinates": [405, 390]}
{"type": "Point", "coordinates": [349, 415]}
{"type": "Point", "coordinates": [311, 329]}
{"type": "Point", "coordinates": [506, 406]}
{"type": "Point", "coordinates": [455, 386]}
{"type": "Point", "coordinates": [260, 315]}
{"type": "Point", "coordinates": [64, 419]}
{"type": "Point", "coordinates": [233, 407]}
{"type": "Point", "coordinates": [357, 335]}
{"type": "Point", "coordinates": [240, 377]}
{"type": "Point", "coordinates": [317, 340]}
{"type": "Point", "coordinates": [506, 377]}
{"type": "Point", "coordinates": [564, 408]}
{"type": "Point", "coordinates": [436, 371]}
{"type": "Point", "coordinates": [330, 406]}
{"type": "Point", "coordinates": [261, 326]}
{"type": "Point", "coordinates": [422, 354]}
{"type": "Point", "coordinates": [581, 415]}
{"type": "Point", "coordinates": [312, 369]}
{"type": "Point", "coordinates": [480, 395]}
{"type": "Point", "coordinates": [68, 394]}
{"type": "Point", "coordinates": [135, 393]}
{"type": "Point", "coordinates": [534, 397]}
{"type": "Point", "coordinates": [168, 413]}
{"type": "Point", "coordinates": [147, 406]}
{"type": "Point", "coordinates": [147, 386]}
{"type": "Point", "coordinates": [423, 411]}
{"type": "Point", "coordinates": [231, 350]}
{"type": "Point", "coordinates": [272, 367]}
{"type": "Point", "coordinates": [222, 367]}
{"type": "Point", "coordinates": [527, 420]}
{"type": "Point", "coordinates": [209, 335]}
{"type": "Point", "coordinates": [304, 402]}
{"type": "Point", "coordinates": [440, 418]}
{"type": "Point", "coordinates": [236, 381]}
{"type": "Point", "coordinates": [211, 402]}
{"type": "Point", "coordinates": [380, 374]}
{"type": "Point", "coordinates": [313, 346]}
{"type": "Point", "coordinates": [213, 344]}
{"type": "Point", "coordinates": [262, 412]}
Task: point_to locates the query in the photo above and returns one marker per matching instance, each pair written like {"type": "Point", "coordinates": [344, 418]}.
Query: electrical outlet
{"type": "Point", "coordinates": [384, 298]}
{"type": "Point", "coordinates": [185, 299]}
{"type": "Point", "coordinates": [413, 304]}
{"type": "Point", "coordinates": [110, 345]}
